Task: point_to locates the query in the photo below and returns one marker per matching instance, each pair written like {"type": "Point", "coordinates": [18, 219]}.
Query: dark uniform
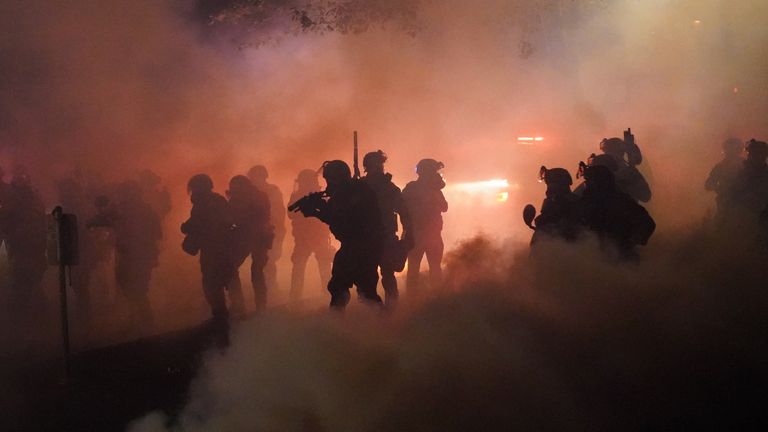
{"type": "Point", "coordinates": [252, 235]}
{"type": "Point", "coordinates": [628, 178]}
{"type": "Point", "coordinates": [258, 176]}
{"type": "Point", "coordinates": [137, 232]}
{"type": "Point", "coordinates": [558, 211]}
{"type": "Point", "coordinates": [209, 232]}
{"type": "Point", "coordinates": [391, 205]}
{"type": "Point", "coordinates": [426, 203]}
{"type": "Point", "coordinates": [722, 176]}
{"type": "Point", "coordinates": [155, 194]}
{"type": "Point", "coordinates": [24, 218]}
{"type": "Point", "coordinates": [746, 201]}
{"type": "Point", "coordinates": [310, 236]}
{"type": "Point", "coordinates": [622, 157]}
{"type": "Point", "coordinates": [354, 219]}
{"type": "Point", "coordinates": [615, 217]}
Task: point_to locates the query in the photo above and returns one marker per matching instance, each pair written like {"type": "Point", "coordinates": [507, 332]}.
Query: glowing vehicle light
{"type": "Point", "coordinates": [502, 197]}
{"type": "Point", "coordinates": [529, 140]}
{"type": "Point", "coordinates": [482, 186]}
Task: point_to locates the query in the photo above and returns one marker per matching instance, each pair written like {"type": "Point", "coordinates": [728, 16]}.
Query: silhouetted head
{"type": "Point", "coordinates": [428, 166]}
{"type": "Point", "coordinates": [605, 160]}
{"type": "Point", "coordinates": [558, 180]}
{"type": "Point", "coordinates": [239, 186]}
{"type": "Point", "coordinates": [199, 183]}
{"type": "Point", "coordinates": [149, 179]}
{"type": "Point", "coordinates": [373, 162]}
{"type": "Point", "coordinates": [733, 147]}
{"type": "Point", "coordinates": [599, 178]}
{"type": "Point", "coordinates": [258, 174]}
{"type": "Point", "coordinates": [757, 152]}
{"type": "Point", "coordinates": [557, 176]}
{"type": "Point", "coordinates": [614, 147]}
{"type": "Point", "coordinates": [336, 173]}
{"type": "Point", "coordinates": [307, 180]}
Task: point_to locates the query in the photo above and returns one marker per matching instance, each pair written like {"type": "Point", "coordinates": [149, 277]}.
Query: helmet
{"type": "Point", "coordinates": [374, 158]}
{"type": "Point", "coordinates": [307, 178]}
{"type": "Point", "coordinates": [336, 170]}
{"type": "Point", "coordinates": [613, 146]}
{"type": "Point", "coordinates": [756, 146]}
{"type": "Point", "coordinates": [258, 172]}
{"type": "Point", "coordinates": [200, 183]}
{"type": "Point", "coordinates": [557, 176]}
{"type": "Point", "coordinates": [428, 166]}
{"type": "Point", "coordinates": [240, 182]}
{"type": "Point", "coordinates": [605, 160]}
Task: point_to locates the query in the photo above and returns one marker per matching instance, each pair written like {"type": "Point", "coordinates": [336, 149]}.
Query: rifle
{"type": "Point", "coordinates": [354, 159]}
{"type": "Point", "coordinates": [309, 201]}
{"type": "Point", "coordinates": [634, 156]}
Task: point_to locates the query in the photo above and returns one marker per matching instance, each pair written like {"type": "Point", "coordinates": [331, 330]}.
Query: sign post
{"type": "Point", "coordinates": [63, 252]}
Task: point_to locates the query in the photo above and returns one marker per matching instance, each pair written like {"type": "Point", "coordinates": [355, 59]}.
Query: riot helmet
{"type": "Point", "coordinates": [336, 173]}
{"type": "Point", "coordinates": [614, 147]}
{"type": "Point", "coordinates": [258, 174]}
{"type": "Point", "coordinates": [199, 183]}
{"type": "Point", "coordinates": [373, 162]}
{"type": "Point", "coordinates": [428, 166]}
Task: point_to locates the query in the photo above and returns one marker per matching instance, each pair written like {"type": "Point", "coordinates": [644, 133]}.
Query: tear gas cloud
{"type": "Point", "coordinates": [562, 343]}
{"type": "Point", "coordinates": [114, 87]}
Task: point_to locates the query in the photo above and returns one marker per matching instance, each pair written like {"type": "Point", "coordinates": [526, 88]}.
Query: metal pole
{"type": "Point", "coordinates": [58, 216]}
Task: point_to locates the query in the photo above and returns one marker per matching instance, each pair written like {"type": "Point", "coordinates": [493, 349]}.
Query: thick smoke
{"type": "Point", "coordinates": [565, 341]}
{"type": "Point", "coordinates": [114, 87]}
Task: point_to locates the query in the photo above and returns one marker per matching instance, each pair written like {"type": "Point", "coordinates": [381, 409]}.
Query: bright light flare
{"type": "Point", "coordinates": [492, 185]}
{"type": "Point", "coordinates": [487, 192]}
{"type": "Point", "coordinates": [529, 140]}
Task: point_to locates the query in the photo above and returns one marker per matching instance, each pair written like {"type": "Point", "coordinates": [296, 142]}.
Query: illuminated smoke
{"type": "Point", "coordinates": [563, 342]}
{"type": "Point", "coordinates": [117, 86]}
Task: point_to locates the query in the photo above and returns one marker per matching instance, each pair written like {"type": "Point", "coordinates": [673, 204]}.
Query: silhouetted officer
{"type": "Point", "coordinates": [137, 232]}
{"type": "Point", "coordinates": [258, 175]}
{"type": "Point", "coordinates": [353, 216]}
{"type": "Point", "coordinates": [724, 173]}
{"type": "Point", "coordinates": [747, 199]}
{"type": "Point", "coordinates": [24, 218]}
{"type": "Point", "coordinates": [391, 204]}
{"type": "Point", "coordinates": [558, 218]}
{"type": "Point", "coordinates": [252, 235]}
{"type": "Point", "coordinates": [426, 203]}
{"type": "Point", "coordinates": [209, 232]}
{"type": "Point", "coordinates": [155, 194]}
{"type": "Point", "coordinates": [628, 177]}
{"type": "Point", "coordinates": [310, 236]}
{"type": "Point", "coordinates": [617, 219]}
